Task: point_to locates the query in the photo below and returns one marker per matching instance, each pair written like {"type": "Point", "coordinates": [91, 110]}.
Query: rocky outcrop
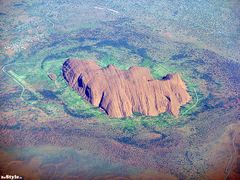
{"type": "Point", "coordinates": [121, 92]}
{"type": "Point", "coordinates": [52, 76]}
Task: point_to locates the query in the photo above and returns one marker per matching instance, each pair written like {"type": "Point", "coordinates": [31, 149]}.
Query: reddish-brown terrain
{"type": "Point", "coordinates": [121, 92]}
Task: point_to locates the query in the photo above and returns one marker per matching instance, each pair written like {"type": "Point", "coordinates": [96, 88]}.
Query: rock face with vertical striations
{"type": "Point", "coordinates": [121, 92]}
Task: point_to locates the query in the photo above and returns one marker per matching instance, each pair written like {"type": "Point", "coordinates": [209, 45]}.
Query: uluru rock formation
{"type": "Point", "coordinates": [121, 92]}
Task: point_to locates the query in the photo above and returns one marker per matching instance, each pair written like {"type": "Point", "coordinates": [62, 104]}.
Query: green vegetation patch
{"type": "Point", "coordinates": [50, 60]}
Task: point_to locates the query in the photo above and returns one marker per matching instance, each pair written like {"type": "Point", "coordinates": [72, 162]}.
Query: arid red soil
{"type": "Point", "coordinates": [227, 153]}
{"type": "Point", "coordinates": [121, 92]}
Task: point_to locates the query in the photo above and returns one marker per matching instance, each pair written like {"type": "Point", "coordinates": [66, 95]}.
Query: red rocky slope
{"type": "Point", "coordinates": [122, 92]}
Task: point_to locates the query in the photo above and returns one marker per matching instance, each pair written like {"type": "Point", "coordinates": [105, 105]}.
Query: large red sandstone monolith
{"type": "Point", "coordinates": [121, 92]}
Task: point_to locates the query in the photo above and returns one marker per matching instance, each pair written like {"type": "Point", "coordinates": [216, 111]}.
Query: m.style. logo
{"type": "Point", "coordinates": [11, 177]}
